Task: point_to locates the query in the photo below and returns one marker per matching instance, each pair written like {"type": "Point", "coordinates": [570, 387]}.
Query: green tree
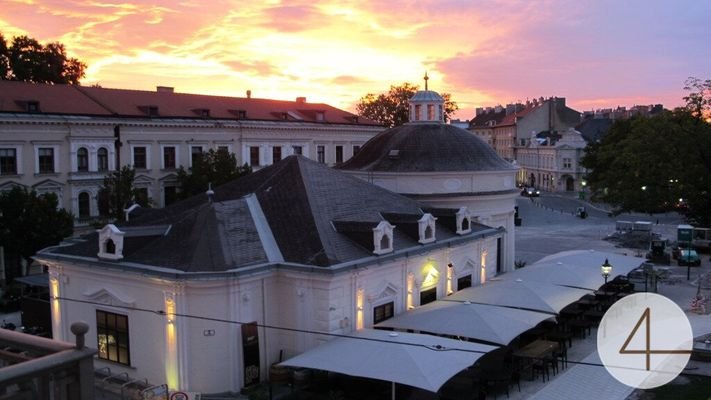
{"type": "Point", "coordinates": [648, 164]}
{"type": "Point", "coordinates": [212, 167]}
{"type": "Point", "coordinates": [392, 108]}
{"type": "Point", "coordinates": [29, 223]}
{"type": "Point", "coordinates": [28, 60]}
{"type": "Point", "coordinates": [118, 193]}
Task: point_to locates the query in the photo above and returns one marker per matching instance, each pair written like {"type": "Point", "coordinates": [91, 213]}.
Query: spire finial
{"type": "Point", "coordinates": [426, 79]}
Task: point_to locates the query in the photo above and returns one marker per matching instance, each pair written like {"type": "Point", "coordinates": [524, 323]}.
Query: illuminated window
{"type": "Point", "coordinates": [112, 337]}
{"type": "Point", "coordinates": [383, 312]}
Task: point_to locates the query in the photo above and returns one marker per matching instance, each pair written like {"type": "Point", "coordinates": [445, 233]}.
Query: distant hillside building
{"type": "Point", "coordinates": [65, 139]}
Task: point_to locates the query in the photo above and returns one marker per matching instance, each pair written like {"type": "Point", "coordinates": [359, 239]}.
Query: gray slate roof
{"type": "Point", "coordinates": [318, 216]}
{"type": "Point", "coordinates": [427, 95]}
{"type": "Point", "coordinates": [421, 147]}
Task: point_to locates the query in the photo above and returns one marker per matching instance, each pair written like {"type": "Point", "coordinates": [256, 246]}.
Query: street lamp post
{"type": "Point", "coordinates": [605, 270]}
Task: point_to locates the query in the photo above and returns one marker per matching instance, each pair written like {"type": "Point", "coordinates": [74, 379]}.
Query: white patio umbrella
{"type": "Point", "coordinates": [422, 361]}
{"type": "Point", "coordinates": [492, 324]}
{"type": "Point", "coordinates": [578, 268]}
{"type": "Point", "coordinates": [521, 293]}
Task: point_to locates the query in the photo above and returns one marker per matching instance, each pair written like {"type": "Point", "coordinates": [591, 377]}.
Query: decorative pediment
{"type": "Point", "coordinates": [7, 186]}
{"type": "Point", "coordinates": [384, 291]}
{"type": "Point", "coordinates": [143, 180]}
{"type": "Point", "coordinates": [109, 297]}
{"type": "Point", "coordinates": [47, 185]}
{"type": "Point", "coordinates": [110, 243]}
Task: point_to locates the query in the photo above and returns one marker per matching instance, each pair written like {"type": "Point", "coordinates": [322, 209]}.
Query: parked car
{"type": "Point", "coordinates": [689, 257]}
{"type": "Point", "coordinates": [530, 192]}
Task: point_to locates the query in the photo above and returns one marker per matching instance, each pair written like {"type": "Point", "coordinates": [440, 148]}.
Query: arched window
{"type": "Point", "coordinates": [102, 157]}
{"type": "Point", "coordinates": [84, 205]}
{"type": "Point", "coordinates": [465, 224]}
{"type": "Point", "coordinates": [385, 242]}
{"type": "Point", "coordinates": [82, 159]}
{"type": "Point", "coordinates": [110, 247]}
{"type": "Point", "coordinates": [428, 232]}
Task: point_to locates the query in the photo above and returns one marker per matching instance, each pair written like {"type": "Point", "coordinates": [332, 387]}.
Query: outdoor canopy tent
{"type": "Point", "coordinates": [418, 360]}
{"type": "Point", "coordinates": [492, 324]}
{"type": "Point", "coordinates": [577, 268]}
{"type": "Point", "coordinates": [521, 293]}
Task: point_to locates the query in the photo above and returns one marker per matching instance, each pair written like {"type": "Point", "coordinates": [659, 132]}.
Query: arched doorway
{"type": "Point", "coordinates": [569, 184]}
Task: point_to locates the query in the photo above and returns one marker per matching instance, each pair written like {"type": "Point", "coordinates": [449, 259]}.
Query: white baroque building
{"type": "Point", "coordinates": [207, 293]}
{"type": "Point", "coordinates": [65, 139]}
{"type": "Point", "coordinates": [554, 167]}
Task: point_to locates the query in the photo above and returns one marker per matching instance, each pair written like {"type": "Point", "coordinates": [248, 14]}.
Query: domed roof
{"type": "Point", "coordinates": [427, 95]}
{"type": "Point", "coordinates": [430, 147]}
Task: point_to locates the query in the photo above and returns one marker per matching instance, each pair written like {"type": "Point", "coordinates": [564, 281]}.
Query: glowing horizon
{"type": "Point", "coordinates": [596, 55]}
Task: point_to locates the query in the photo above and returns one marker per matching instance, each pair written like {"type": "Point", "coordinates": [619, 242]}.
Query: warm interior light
{"type": "Point", "coordinates": [359, 309]}
{"type": "Point", "coordinates": [56, 312]}
{"type": "Point", "coordinates": [450, 271]}
{"type": "Point", "coordinates": [171, 345]}
{"type": "Point", "coordinates": [482, 272]}
{"type": "Point", "coordinates": [431, 276]}
{"type": "Point", "coordinates": [410, 289]}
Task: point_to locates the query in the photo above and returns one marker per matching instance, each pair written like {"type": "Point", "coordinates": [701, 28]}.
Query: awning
{"type": "Point", "coordinates": [34, 280]}
{"type": "Point", "coordinates": [578, 268]}
{"type": "Point", "coordinates": [418, 360]}
{"type": "Point", "coordinates": [507, 290]}
{"type": "Point", "coordinates": [476, 321]}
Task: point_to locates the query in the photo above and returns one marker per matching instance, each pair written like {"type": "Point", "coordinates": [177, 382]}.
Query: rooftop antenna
{"type": "Point", "coordinates": [426, 79]}
{"type": "Point", "coordinates": [209, 192]}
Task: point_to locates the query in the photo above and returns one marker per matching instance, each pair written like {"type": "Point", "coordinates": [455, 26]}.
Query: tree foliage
{"type": "Point", "coordinates": [212, 167]}
{"type": "Point", "coordinates": [30, 222]}
{"type": "Point", "coordinates": [392, 108]}
{"type": "Point", "coordinates": [118, 193]}
{"type": "Point", "coordinates": [28, 60]}
{"type": "Point", "coordinates": [647, 164]}
{"type": "Point", "coordinates": [698, 101]}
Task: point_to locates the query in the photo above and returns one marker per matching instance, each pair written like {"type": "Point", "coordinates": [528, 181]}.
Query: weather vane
{"type": "Point", "coordinates": [426, 79]}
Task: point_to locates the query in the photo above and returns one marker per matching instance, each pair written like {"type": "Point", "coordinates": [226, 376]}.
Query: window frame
{"type": "Point", "coordinates": [82, 159]}
{"type": "Point", "coordinates": [120, 335]}
{"type": "Point", "coordinates": [102, 166]}
{"type": "Point", "coordinates": [276, 154]}
{"type": "Point", "coordinates": [42, 165]}
{"type": "Point", "coordinates": [87, 205]}
{"type": "Point", "coordinates": [145, 157]}
{"type": "Point", "coordinates": [165, 150]}
{"type": "Point", "coordinates": [385, 315]}
{"type": "Point", "coordinates": [254, 156]}
{"type": "Point", "coordinates": [338, 151]}
{"type": "Point", "coordinates": [321, 153]}
{"type": "Point", "coordinates": [3, 170]}
{"type": "Point", "coordinates": [194, 153]}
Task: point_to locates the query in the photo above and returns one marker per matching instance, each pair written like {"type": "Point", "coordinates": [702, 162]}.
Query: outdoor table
{"type": "Point", "coordinates": [561, 337]}
{"type": "Point", "coordinates": [537, 349]}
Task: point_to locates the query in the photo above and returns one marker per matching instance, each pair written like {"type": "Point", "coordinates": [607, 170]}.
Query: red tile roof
{"type": "Point", "coordinates": [84, 100]}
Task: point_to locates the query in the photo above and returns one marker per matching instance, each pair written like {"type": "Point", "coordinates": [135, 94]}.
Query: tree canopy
{"type": "Point", "coordinates": [211, 167]}
{"type": "Point", "coordinates": [698, 101]}
{"type": "Point", "coordinates": [648, 164]}
{"type": "Point", "coordinates": [28, 60]}
{"type": "Point", "coordinates": [392, 108]}
{"type": "Point", "coordinates": [118, 193]}
{"type": "Point", "coordinates": [30, 222]}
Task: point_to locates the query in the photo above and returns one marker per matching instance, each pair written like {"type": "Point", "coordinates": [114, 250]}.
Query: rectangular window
{"type": "Point", "coordinates": [46, 160]}
{"type": "Point", "coordinates": [339, 154]}
{"type": "Point", "coordinates": [430, 112]}
{"type": "Point", "coordinates": [383, 312]}
{"type": "Point", "coordinates": [464, 282]}
{"type": "Point", "coordinates": [428, 296]}
{"type": "Point", "coordinates": [276, 154]}
{"type": "Point", "coordinates": [225, 149]}
{"type": "Point", "coordinates": [8, 162]}
{"type": "Point", "coordinates": [169, 195]}
{"type": "Point", "coordinates": [169, 157]}
{"type": "Point", "coordinates": [102, 159]}
{"type": "Point", "coordinates": [356, 150]}
{"type": "Point", "coordinates": [298, 150]}
{"type": "Point", "coordinates": [112, 337]}
{"type": "Point", "coordinates": [321, 154]}
{"type": "Point", "coordinates": [254, 156]}
{"type": "Point", "coordinates": [139, 157]}
{"type": "Point", "coordinates": [195, 154]}
{"type": "Point", "coordinates": [567, 163]}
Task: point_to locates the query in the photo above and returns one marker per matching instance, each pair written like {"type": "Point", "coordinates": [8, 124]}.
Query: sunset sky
{"type": "Point", "coordinates": [601, 53]}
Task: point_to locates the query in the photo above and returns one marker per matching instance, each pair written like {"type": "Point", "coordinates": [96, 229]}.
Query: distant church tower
{"type": "Point", "coordinates": [426, 106]}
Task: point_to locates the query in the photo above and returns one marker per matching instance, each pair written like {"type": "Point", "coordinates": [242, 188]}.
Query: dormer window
{"type": "Point", "coordinates": [426, 228]}
{"type": "Point", "coordinates": [383, 238]}
{"type": "Point", "coordinates": [110, 243]}
{"type": "Point", "coordinates": [320, 116]}
{"type": "Point", "coordinates": [464, 221]}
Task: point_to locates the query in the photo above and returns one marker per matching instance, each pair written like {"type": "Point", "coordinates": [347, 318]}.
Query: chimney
{"type": "Point", "coordinates": [249, 94]}
{"type": "Point", "coordinates": [164, 89]}
{"type": "Point", "coordinates": [301, 100]}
